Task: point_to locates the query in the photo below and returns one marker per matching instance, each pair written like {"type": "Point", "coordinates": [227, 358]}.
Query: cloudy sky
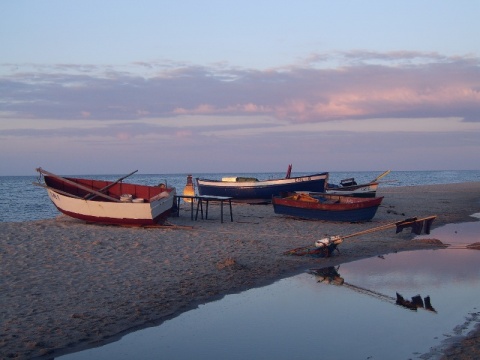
{"type": "Point", "coordinates": [100, 87]}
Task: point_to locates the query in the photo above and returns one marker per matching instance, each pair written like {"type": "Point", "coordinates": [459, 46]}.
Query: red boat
{"type": "Point", "coordinates": [327, 207]}
{"type": "Point", "coordinates": [107, 202]}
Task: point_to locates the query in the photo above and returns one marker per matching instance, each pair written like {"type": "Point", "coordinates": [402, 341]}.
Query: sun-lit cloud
{"type": "Point", "coordinates": [377, 125]}
{"type": "Point", "coordinates": [364, 85]}
{"type": "Point", "coordinates": [123, 136]}
{"type": "Point", "coordinates": [183, 134]}
{"type": "Point", "coordinates": [201, 109]}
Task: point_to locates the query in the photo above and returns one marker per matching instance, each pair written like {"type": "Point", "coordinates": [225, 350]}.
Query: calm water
{"type": "Point", "coordinates": [22, 201]}
{"type": "Point", "coordinates": [309, 317]}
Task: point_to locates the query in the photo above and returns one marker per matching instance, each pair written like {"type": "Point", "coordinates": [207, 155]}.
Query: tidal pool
{"type": "Point", "coordinates": [345, 312]}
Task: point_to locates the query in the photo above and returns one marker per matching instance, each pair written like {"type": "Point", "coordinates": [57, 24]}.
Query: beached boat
{"type": "Point", "coordinates": [327, 207]}
{"type": "Point", "coordinates": [364, 190]}
{"type": "Point", "coordinates": [350, 187]}
{"type": "Point", "coordinates": [252, 190]}
{"type": "Point", "coordinates": [109, 202]}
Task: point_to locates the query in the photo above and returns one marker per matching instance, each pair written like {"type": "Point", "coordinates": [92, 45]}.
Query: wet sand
{"type": "Point", "coordinates": [68, 285]}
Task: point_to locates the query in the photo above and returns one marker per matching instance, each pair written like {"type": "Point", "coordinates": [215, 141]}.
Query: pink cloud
{"type": "Point", "coordinates": [395, 84]}
{"type": "Point", "coordinates": [201, 109]}
{"type": "Point", "coordinates": [183, 134]}
{"type": "Point", "coordinates": [123, 136]}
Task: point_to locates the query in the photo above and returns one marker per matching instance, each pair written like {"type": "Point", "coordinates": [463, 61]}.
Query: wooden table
{"type": "Point", "coordinates": [200, 199]}
{"type": "Point", "coordinates": [206, 198]}
{"type": "Point", "coordinates": [192, 198]}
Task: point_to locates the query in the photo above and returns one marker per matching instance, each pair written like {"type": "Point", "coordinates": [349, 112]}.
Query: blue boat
{"type": "Point", "coordinates": [327, 207]}
{"type": "Point", "coordinates": [252, 190]}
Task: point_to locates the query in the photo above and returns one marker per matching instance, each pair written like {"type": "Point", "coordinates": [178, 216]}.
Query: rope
{"type": "Point", "coordinates": [309, 250]}
{"type": "Point", "coordinates": [285, 236]}
{"type": "Point", "coordinates": [369, 292]}
{"type": "Point", "coordinates": [388, 226]}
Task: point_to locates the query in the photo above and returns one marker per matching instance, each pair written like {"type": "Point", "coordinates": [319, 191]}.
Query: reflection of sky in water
{"type": "Point", "coordinates": [301, 318]}
{"type": "Point", "coordinates": [463, 233]}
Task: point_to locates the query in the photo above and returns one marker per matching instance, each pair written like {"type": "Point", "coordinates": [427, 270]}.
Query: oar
{"type": "Point", "coordinates": [56, 190]}
{"type": "Point", "coordinates": [91, 195]}
{"type": "Point", "coordinates": [380, 176]}
{"type": "Point", "coordinates": [73, 183]}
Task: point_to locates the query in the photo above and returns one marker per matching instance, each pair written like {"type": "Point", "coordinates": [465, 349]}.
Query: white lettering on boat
{"type": "Point", "coordinates": [306, 178]}
{"type": "Point", "coordinates": [52, 194]}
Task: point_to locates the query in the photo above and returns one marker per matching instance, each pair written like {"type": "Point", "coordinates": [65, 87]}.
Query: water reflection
{"type": "Point", "coordinates": [416, 303]}
{"type": "Point", "coordinates": [457, 234]}
{"type": "Point", "coordinates": [303, 318]}
{"type": "Point", "coordinates": [331, 276]}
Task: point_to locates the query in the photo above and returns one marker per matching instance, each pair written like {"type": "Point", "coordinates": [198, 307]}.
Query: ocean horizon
{"type": "Point", "coordinates": [21, 201]}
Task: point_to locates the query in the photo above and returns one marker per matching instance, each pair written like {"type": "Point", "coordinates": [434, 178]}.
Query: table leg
{"type": "Point", "coordinates": [199, 204]}
{"type": "Point", "coordinates": [177, 199]}
{"type": "Point", "coordinates": [221, 211]}
{"type": "Point", "coordinates": [191, 209]}
{"type": "Point", "coordinates": [231, 215]}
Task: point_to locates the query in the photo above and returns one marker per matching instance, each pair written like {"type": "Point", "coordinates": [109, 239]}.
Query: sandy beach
{"type": "Point", "coordinates": [68, 285]}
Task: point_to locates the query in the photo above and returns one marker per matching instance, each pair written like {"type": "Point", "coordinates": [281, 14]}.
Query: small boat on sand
{"type": "Point", "coordinates": [109, 202]}
{"type": "Point", "coordinates": [350, 187]}
{"type": "Point", "coordinates": [363, 190]}
{"type": "Point", "coordinates": [326, 207]}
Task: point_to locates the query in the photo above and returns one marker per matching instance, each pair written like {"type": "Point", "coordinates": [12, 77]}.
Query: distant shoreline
{"type": "Point", "coordinates": [69, 285]}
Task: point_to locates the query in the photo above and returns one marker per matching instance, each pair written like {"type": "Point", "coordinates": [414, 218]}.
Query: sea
{"type": "Point", "coordinates": [21, 200]}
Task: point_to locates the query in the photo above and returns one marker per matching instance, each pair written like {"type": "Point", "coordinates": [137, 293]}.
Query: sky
{"type": "Point", "coordinates": [173, 87]}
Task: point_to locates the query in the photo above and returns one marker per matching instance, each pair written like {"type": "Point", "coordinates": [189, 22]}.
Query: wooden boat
{"type": "Point", "coordinates": [252, 190]}
{"type": "Point", "coordinates": [364, 190]}
{"type": "Point", "coordinates": [107, 202]}
{"type": "Point", "coordinates": [327, 207]}
{"type": "Point", "coordinates": [350, 187]}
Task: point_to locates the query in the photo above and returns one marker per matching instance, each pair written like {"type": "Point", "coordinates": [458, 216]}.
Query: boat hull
{"type": "Point", "coordinates": [151, 211]}
{"type": "Point", "coordinates": [251, 191]}
{"type": "Point", "coordinates": [333, 208]}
